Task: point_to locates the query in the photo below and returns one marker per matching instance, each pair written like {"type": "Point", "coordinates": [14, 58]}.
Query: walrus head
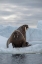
{"type": "Point", "coordinates": [25, 27]}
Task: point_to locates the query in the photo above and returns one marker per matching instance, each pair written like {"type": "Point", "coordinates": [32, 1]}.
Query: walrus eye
{"type": "Point", "coordinates": [14, 36]}
{"type": "Point", "coordinates": [25, 29]}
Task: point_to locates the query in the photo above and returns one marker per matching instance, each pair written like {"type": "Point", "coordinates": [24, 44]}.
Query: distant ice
{"type": "Point", "coordinates": [39, 25]}
{"type": "Point", "coordinates": [34, 34]}
{"type": "Point", "coordinates": [3, 41]}
{"type": "Point", "coordinates": [6, 29]}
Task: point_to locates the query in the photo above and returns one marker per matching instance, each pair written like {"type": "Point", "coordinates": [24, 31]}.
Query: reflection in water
{"type": "Point", "coordinates": [19, 58]}
{"type": "Point", "coordinates": [18, 55]}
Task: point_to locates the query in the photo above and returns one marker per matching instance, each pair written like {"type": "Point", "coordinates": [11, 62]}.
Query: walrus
{"type": "Point", "coordinates": [17, 39]}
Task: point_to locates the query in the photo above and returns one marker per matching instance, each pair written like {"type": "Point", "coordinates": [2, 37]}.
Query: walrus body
{"type": "Point", "coordinates": [18, 37]}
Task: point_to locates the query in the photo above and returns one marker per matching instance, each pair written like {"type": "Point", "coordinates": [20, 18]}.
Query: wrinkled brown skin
{"type": "Point", "coordinates": [17, 41]}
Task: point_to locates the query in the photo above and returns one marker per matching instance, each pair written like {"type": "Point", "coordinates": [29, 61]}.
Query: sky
{"type": "Point", "coordinates": [20, 12]}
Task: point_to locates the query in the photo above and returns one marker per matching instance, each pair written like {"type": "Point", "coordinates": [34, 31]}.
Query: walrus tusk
{"type": "Point", "coordinates": [25, 29]}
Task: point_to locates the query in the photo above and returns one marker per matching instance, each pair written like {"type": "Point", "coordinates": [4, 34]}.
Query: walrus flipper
{"type": "Point", "coordinates": [13, 45]}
